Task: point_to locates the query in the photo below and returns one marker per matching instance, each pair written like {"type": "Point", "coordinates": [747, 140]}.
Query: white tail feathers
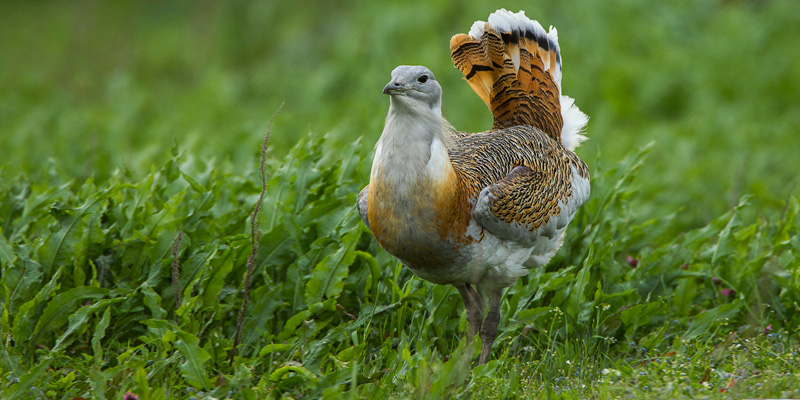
{"type": "Point", "coordinates": [574, 123]}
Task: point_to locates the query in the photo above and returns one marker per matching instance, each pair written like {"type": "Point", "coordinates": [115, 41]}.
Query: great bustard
{"type": "Point", "coordinates": [477, 210]}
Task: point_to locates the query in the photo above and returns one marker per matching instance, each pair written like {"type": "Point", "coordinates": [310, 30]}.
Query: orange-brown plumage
{"type": "Point", "coordinates": [477, 210]}
{"type": "Point", "coordinates": [521, 92]}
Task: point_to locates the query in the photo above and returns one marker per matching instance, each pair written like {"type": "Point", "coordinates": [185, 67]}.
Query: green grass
{"type": "Point", "coordinates": [129, 125]}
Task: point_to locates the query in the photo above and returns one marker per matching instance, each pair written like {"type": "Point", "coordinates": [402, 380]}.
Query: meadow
{"type": "Point", "coordinates": [138, 219]}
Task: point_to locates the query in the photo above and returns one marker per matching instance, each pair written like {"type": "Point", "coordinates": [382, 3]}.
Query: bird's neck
{"type": "Point", "coordinates": [412, 147]}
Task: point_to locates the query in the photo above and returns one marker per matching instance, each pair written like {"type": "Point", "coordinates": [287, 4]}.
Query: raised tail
{"type": "Point", "coordinates": [515, 68]}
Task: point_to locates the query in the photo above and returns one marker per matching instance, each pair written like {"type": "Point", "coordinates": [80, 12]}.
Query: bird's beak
{"type": "Point", "coordinates": [394, 87]}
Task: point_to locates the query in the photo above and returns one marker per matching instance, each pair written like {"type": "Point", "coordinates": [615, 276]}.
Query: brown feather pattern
{"type": "Point", "coordinates": [528, 195]}
{"type": "Point", "coordinates": [524, 96]}
{"type": "Point", "coordinates": [479, 209]}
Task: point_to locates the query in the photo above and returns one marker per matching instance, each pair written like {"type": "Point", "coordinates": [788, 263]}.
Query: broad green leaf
{"type": "Point", "coordinates": [725, 243]}
{"type": "Point", "coordinates": [554, 281]}
{"type": "Point", "coordinates": [577, 293]}
{"type": "Point", "coordinates": [639, 315]}
{"type": "Point", "coordinates": [60, 246]}
{"type": "Point", "coordinates": [193, 183]}
{"type": "Point", "coordinates": [375, 272]}
{"type": "Point", "coordinates": [701, 323]}
{"type": "Point", "coordinates": [36, 205]}
{"type": "Point", "coordinates": [7, 256]}
{"type": "Point", "coordinates": [199, 214]}
{"type": "Point", "coordinates": [90, 235]}
{"type": "Point", "coordinates": [21, 389]}
{"type": "Point", "coordinates": [454, 373]}
{"type": "Point", "coordinates": [219, 268]}
{"type": "Point", "coordinates": [77, 321]}
{"type": "Point", "coordinates": [275, 200]}
{"type": "Point", "coordinates": [61, 307]}
{"type": "Point", "coordinates": [21, 280]}
{"type": "Point", "coordinates": [97, 382]}
{"type": "Point", "coordinates": [684, 295]}
{"type": "Point", "coordinates": [193, 368]}
{"type": "Point", "coordinates": [264, 300]}
{"type": "Point", "coordinates": [282, 371]}
{"type": "Point", "coordinates": [160, 324]}
{"type": "Point", "coordinates": [532, 315]}
{"type": "Point", "coordinates": [292, 323]}
{"type": "Point", "coordinates": [275, 247]}
{"type": "Point", "coordinates": [24, 321]}
{"type": "Point", "coordinates": [142, 384]}
{"type": "Point", "coordinates": [790, 213]}
{"type": "Point", "coordinates": [99, 333]}
{"type": "Point", "coordinates": [153, 301]}
{"type": "Point", "coordinates": [10, 362]}
{"type": "Point", "coordinates": [326, 280]}
{"type": "Point", "coordinates": [165, 365]}
{"type": "Point", "coordinates": [349, 162]}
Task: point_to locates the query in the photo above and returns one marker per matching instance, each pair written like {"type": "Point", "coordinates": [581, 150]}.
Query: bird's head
{"type": "Point", "coordinates": [414, 86]}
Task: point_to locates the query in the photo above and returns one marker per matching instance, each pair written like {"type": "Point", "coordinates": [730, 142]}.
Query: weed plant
{"type": "Point", "coordinates": [130, 178]}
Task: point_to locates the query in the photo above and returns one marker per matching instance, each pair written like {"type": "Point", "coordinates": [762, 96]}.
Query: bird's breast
{"type": "Point", "coordinates": [415, 216]}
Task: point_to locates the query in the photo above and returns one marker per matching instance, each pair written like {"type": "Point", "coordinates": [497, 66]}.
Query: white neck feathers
{"type": "Point", "coordinates": [413, 144]}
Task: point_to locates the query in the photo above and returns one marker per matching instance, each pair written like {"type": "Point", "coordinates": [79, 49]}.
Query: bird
{"type": "Point", "coordinates": [479, 210]}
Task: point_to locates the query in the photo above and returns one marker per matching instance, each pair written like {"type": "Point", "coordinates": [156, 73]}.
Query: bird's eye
{"type": "Point", "coordinates": [422, 79]}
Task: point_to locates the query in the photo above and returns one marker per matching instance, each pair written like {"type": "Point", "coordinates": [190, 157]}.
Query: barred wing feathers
{"type": "Point", "coordinates": [522, 184]}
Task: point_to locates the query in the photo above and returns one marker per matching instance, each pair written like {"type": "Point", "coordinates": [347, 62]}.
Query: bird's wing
{"type": "Point", "coordinates": [361, 204]}
{"type": "Point", "coordinates": [521, 183]}
{"type": "Point", "coordinates": [521, 179]}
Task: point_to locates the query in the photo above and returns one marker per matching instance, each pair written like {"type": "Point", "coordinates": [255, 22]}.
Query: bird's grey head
{"type": "Point", "coordinates": [414, 85]}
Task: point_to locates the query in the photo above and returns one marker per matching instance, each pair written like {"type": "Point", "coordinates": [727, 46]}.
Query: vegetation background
{"type": "Point", "coordinates": [129, 170]}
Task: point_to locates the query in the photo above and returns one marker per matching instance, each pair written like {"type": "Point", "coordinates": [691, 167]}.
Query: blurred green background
{"type": "Point", "coordinates": [87, 87]}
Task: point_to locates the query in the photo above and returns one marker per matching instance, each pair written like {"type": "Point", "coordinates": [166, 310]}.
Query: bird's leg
{"type": "Point", "coordinates": [474, 304]}
{"type": "Point", "coordinates": [489, 328]}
